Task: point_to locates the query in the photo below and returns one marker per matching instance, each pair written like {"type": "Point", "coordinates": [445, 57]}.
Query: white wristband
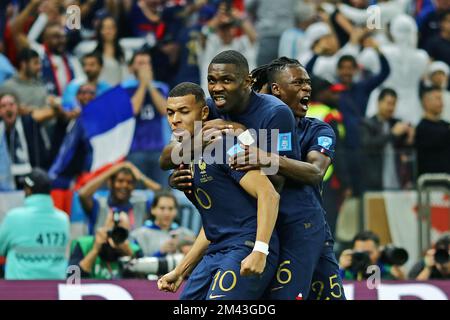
{"type": "Point", "coordinates": [261, 247]}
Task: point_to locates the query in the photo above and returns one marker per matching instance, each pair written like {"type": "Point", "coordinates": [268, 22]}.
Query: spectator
{"type": "Point", "coordinates": [58, 67]}
{"type": "Point", "coordinates": [160, 235]}
{"type": "Point", "coordinates": [383, 140]}
{"type": "Point", "coordinates": [98, 257]}
{"type": "Point", "coordinates": [75, 154]}
{"type": "Point", "coordinates": [159, 23]}
{"type": "Point", "coordinates": [438, 73]}
{"type": "Point", "coordinates": [436, 264]}
{"type": "Point", "coordinates": [149, 104]}
{"type": "Point", "coordinates": [433, 135]}
{"type": "Point", "coordinates": [24, 136]}
{"type": "Point", "coordinates": [27, 84]}
{"type": "Point", "coordinates": [438, 47]}
{"type": "Point", "coordinates": [34, 238]}
{"type": "Point", "coordinates": [336, 184]}
{"type": "Point", "coordinates": [108, 47]}
{"type": "Point", "coordinates": [366, 243]}
{"type": "Point", "coordinates": [429, 21]}
{"type": "Point", "coordinates": [401, 54]}
{"type": "Point", "coordinates": [92, 67]}
{"type": "Point", "coordinates": [292, 42]}
{"type": "Point", "coordinates": [352, 105]}
{"type": "Point", "coordinates": [6, 178]}
{"type": "Point", "coordinates": [121, 180]}
{"type": "Point", "coordinates": [220, 35]}
{"type": "Point", "coordinates": [271, 19]}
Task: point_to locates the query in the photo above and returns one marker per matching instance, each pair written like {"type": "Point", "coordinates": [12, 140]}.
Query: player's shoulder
{"type": "Point", "coordinates": [317, 124]}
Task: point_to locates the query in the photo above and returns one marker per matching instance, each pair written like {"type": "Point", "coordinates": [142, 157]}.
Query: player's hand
{"type": "Point", "coordinates": [221, 125]}
{"type": "Point", "coordinates": [345, 260]}
{"type": "Point", "coordinates": [170, 282]}
{"type": "Point", "coordinates": [252, 158]}
{"type": "Point", "coordinates": [145, 74]}
{"type": "Point", "coordinates": [253, 264]}
{"type": "Point", "coordinates": [181, 179]}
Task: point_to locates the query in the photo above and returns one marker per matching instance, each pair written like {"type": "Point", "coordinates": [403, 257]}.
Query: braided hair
{"type": "Point", "coordinates": [265, 74]}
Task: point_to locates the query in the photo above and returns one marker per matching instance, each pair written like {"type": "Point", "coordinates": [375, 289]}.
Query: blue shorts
{"type": "Point", "coordinates": [326, 281]}
{"type": "Point", "coordinates": [217, 276]}
{"type": "Point", "coordinates": [301, 243]}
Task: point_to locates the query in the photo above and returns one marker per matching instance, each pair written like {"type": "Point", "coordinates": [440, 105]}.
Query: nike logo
{"type": "Point", "coordinates": [277, 288]}
{"type": "Point", "coordinates": [212, 296]}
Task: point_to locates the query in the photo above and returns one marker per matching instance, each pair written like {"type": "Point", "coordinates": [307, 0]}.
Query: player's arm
{"type": "Point", "coordinates": [171, 281]}
{"type": "Point", "coordinates": [310, 172]}
{"type": "Point", "coordinates": [259, 186]}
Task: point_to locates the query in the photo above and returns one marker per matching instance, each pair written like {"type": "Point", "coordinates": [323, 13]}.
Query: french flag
{"type": "Point", "coordinates": [109, 124]}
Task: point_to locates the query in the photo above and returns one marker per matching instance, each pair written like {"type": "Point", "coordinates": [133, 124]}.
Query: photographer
{"type": "Point", "coordinates": [353, 263]}
{"type": "Point", "coordinates": [435, 264]}
{"type": "Point", "coordinates": [98, 257]}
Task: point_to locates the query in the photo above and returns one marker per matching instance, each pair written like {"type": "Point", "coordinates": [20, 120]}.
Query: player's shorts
{"type": "Point", "coordinates": [301, 244]}
{"type": "Point", "coordinates": [326, 281]}
{"type": "Point", "coordinates": [217, 276]}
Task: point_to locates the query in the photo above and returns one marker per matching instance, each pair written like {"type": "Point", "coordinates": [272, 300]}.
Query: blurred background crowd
{"type": "Point", "coordinates": [379, 70]}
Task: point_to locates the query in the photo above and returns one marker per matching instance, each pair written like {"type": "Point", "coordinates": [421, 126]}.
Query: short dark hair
{"type": "Point", "coordinates": [139, 53]}
{"type": "Point", "coordinates": [347, 57]}
{"type": "Point", "coordinates": [93, 55]}
{"type": "Point", "coordinates": [428, 90]}
{"type": "Point", "coordinates": [25, 55]}
{"type": "Point", "coordinates": [124, 170]}
{"type": "Point", "coordinates": [37, 181]}
{"type": "Point", "coordinates": [9, 92]}
{"type": "Point", "coordinates": [163, 194]}
{"type": "Point", "coordinates": [188, 88]}
{"type": "Point", "coordinates": [232, 57]}
{"type": "Point", "coordinates": [266, 74]}
{"type": "Point", "coordinates": [387, 92]}
{"type": "Point", "coordinates": [365, 236]}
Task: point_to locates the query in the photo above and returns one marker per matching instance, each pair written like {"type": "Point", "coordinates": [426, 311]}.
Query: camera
{"type": "Point", "coordinates": [360, 262]}
{"type": "Point", "coordinates": [441, 256]}
{"type": "Point", "coordinates": [151, 265]}
{"type": "Point", "coordinates": [394, 256]}
{"type": "Point", "coordinates": [118, 234]}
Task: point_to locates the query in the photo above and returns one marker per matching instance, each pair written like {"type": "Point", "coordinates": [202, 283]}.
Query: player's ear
{"type": "Point", "coordinates": [275, 88]}
{"type": "Point", "coordinates": [205, 113]}
{"type": "Point", "coordinates": [248, 80]}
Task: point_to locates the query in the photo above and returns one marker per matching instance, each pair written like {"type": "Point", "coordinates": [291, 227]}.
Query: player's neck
{"type": "Point", "coordinates": [243, 106]}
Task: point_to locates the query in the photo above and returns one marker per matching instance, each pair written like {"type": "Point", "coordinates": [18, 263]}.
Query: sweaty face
{"type": "Point", "coordinates": [294, 89]}
{"type": "Point", "coordinates": [8, 110]}
{"type": "Point", "coordinates": [368, 246]}
{"type": "Point", "coordinates": [164, 212]}
{"type": "Point", "coordinates": [122, 186]}
{"type": "Point", "coordinates": [182, 112]}
{"type": "Point", "coordinates": [387, 106]}
{"type": "Point", "coordinates": [227, 86]}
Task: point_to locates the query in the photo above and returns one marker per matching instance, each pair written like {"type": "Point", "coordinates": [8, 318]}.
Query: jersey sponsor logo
{"type": "Point", "coordinates": [325, 142]}
{"type": "Point", "coordinates": [285, 142]}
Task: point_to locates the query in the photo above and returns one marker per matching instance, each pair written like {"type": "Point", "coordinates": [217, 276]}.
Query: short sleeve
{"type": "Point", "coordinates": [285, 141]}
{"type": "Point", "coordinates": [323, 140]}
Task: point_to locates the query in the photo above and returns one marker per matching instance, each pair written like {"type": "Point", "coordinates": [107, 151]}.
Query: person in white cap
{"type": "Point", "coordinates": [324, 51]}
{"type": "Point", "coordinates": [408, 65]}
{"type": "Point", "coordinates": [437, 76]}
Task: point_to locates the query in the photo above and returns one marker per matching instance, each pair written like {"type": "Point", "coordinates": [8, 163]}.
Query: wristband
{"type": "Point", "coordinates": [261, 247]}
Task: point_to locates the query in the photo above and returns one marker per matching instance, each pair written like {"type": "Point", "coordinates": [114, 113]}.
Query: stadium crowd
{"type": "Point", "coordinates": [379, 77]}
